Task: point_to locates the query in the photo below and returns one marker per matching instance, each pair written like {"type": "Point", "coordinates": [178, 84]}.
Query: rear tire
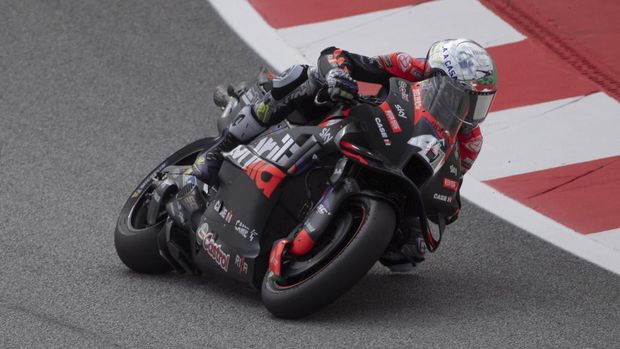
{"type": "Point", "coordinates": [367, 239]}
{"type": "Point", "coordinates": [136, 242]}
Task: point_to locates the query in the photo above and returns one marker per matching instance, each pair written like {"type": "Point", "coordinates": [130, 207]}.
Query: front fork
{"type": "Point", "coordinates": [303, 238]}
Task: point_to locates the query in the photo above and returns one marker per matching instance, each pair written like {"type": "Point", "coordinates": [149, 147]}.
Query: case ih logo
{"type": "Point", "coordinates": [244, 230]}
{"type": "Point", "coordinates": [215, 251]}
{"type": "Point", "coordinates": [384, 135]}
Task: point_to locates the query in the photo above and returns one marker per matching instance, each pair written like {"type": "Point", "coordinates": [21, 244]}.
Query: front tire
{"type": "Point", "coordinates": [367, 238]}
{"type": "Point", "coordinates": [136, 241]}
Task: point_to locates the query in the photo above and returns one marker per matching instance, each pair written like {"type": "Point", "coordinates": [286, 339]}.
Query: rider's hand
{"type": "Point", "coordinates": [340, 85]}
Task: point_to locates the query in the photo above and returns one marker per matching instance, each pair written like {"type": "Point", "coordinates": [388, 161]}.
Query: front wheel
{"type": "Point", "coordinates": [358, 237]}
{"type": "Point", "coordinates": [136, 240]}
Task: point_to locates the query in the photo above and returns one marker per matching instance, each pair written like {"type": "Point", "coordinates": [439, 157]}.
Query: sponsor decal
{"type": "Point", "coordinates": [217, 206]}
{"type": "Point", "coordinates": [441, 197]}
{"type": "Point", "coordinates": [391, 118]}
{"type": "Point", "coordinates": [326, 135]}
{"type": "Point", "coordinates": [321, 209]}
{"type": "Point", "coordinates": [384, 135]}
{"type": "Point", "coordinates": [215, 251]}
{"type": "Point", "coordinates": [276, 151]}
{"type": "Point", "coordinates": [448, 63]}
{"type": "Point", "coordinates": [403, 88]}
{"type": "Point", "coordinates": [450, 184]}
{"type": "Point", "coordinates": [309, 227]}
{"type": "Point", "coordinates": [401, 111]}
{"type": "Point", "coordinates": [267, 148]}
{"type": "Point", "coordinates": [417, 99]}
{"type": "Point", "coordinates": [244, 230]}
{"type": "Point", "coordinates": [404, 61]}
{"type": "Point", "coordinates": [201, 233]}
{"type": "Point", "coordinates": [135, 194]}
{"type": "Point", "coordinates": [226, 214]}
{"type": "Point", "coordinates": [266, 176]}
{"type": "Point", "coordinates": [242, 266]}
{"type": "Point", "coordinates": [453, 170]}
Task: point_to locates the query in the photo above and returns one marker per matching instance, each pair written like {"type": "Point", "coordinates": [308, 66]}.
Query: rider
{"type": "Point", "coordinates": [461, 59]}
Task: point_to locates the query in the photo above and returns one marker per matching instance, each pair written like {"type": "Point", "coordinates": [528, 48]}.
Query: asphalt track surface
{"type": "Point", "coordinates": [94, 94]}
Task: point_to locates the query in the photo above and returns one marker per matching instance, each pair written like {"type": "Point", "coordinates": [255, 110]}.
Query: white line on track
{"type": "Point", "coordinates": [409, 29]}
{"type": "Point", "coordinates": [252, 28]}
{"type": "Point", "coordinates": [266, 41]}
{"type": "Point", "coordinates": [547, 135]}
{"type": "Point", "coordinates": [539, 225]}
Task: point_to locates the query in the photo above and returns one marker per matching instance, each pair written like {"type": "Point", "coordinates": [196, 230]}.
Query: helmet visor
{"type": "Point", "coordinates": [479, 105]}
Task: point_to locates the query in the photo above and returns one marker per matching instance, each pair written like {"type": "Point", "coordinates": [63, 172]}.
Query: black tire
{"type": "Point", "coordinates": [366, 240]}
{"type": "Point", "coordinates": [137, 246]}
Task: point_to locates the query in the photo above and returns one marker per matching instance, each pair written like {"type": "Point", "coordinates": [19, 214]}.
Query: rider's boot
{"type": "Point", "coordinates": [403, 260]}
{"type": "Point", "coordinates": [243, 129]}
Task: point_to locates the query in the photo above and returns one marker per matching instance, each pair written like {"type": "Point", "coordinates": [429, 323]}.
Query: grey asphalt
{"type": "Point", "coordinates": [93, 94]}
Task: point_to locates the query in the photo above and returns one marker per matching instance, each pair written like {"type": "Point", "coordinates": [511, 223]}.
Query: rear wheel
{"type": "Point", "coordinates": [136, 240]}
{"type": "Point", "coordinates": [358, 237]}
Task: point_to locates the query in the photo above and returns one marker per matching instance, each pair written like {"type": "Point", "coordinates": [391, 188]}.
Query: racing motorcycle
{"type": "Point", "coordinates": [304, 210]}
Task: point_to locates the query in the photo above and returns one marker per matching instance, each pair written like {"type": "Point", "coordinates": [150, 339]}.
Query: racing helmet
{"type": "Point", "coordinates": [472, 67]}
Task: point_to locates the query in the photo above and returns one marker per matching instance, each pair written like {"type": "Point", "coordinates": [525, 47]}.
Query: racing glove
{"type": "Point", "coordinates": [340, 85]}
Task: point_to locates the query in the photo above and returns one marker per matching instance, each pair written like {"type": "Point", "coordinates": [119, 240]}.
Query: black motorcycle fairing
{"type": "Point", "coordinates": [228, 236]}
{"type": "Point", "coordinates": [271, 175]}
{"type": "Point", "coordinates": [234, 235]}
{"type": "Point", "coordinates": [416, 149]}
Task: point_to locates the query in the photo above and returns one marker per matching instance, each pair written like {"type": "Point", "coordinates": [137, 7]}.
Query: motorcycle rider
{"type": "Point", "coordinates": [461, 59]}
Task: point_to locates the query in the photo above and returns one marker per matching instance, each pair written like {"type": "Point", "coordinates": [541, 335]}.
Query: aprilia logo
{"type": "Point", "coordinates": [266, 176]}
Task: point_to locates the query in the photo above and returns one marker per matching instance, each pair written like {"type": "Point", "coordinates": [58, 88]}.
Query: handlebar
{"type": "Point", "coordinates": [321, 99]}
{"type": "Point", "coordinates": [368, 99]}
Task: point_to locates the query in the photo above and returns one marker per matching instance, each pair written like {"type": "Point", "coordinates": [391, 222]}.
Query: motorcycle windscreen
{"type": "Point", "coordinates": [446, 101]}
{"type": "Point", "coordinates": [438, 118]}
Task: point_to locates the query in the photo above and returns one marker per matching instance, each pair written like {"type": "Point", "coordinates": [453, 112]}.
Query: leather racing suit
{"type": "Point", "coordinates": [297, 87]}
